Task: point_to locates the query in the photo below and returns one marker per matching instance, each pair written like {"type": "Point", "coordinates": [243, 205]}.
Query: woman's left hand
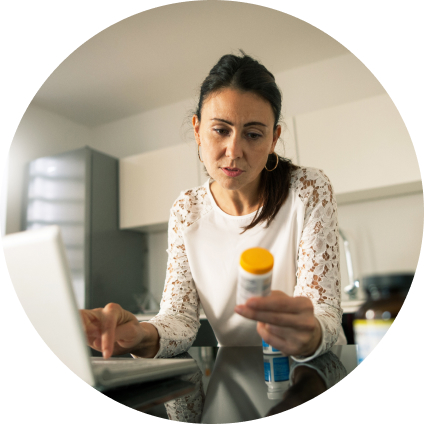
{"type": "Point", "coordinates": [284, 322]}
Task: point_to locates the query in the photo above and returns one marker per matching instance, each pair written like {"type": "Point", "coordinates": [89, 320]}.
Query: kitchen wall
{"type": "Point", "coordinates": [40, 133]}
{"type": "Point", "coordinates": [158, 243]}
{"type": "Point", "coordinates": [385, 234]}
{"type": "Point", "coordinates": [3, 199]}
{"type": "Point", "coordinates": [316, 86]}
{"type": "Point", "coordinates": [153, 130]}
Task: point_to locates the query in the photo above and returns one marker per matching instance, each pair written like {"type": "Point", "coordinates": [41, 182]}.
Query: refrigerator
{"type": "Point", "coordinates": [79, 192]}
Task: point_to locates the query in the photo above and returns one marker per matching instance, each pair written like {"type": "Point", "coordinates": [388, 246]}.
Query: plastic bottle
{"type": "Point", "coordinates": [269, 350]}
{"type": "Point", "coordinates": [277, 373]}
{"type": "Point", "coordinates": [385, 297]}
{"type": "Point", "coordinates": [255, 274]}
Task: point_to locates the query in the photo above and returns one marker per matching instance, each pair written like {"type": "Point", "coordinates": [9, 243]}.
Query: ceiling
{"type": "Point", "coordinates": [162, 55]}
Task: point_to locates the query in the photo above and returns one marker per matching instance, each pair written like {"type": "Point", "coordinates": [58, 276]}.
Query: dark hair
{"type": "Point", "coordinates": [246, 74]}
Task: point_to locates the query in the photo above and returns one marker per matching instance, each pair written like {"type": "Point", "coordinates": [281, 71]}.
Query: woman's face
{"type": "Point", "coordinates": [236, 136]}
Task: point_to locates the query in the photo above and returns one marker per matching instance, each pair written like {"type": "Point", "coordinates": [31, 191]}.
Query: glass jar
{"type": "Point", "coordinates": [385, 297]}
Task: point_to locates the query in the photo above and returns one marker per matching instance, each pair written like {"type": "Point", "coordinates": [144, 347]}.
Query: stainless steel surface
{"type": "Point", "coordinates": [145, 396]}
{"type": "Point", "coordinates": [237, 391]}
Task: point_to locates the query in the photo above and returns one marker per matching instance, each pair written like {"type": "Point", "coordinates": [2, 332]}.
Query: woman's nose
{"type": "Point", "coordinates": [234, 147]}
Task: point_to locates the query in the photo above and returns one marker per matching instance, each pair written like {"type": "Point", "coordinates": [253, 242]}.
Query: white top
{"type": "Point", "coordinates": [204, 247]}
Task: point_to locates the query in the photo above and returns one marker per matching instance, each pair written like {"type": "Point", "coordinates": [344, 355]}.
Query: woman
{"type": "Point", "coordinates": [253, 198]}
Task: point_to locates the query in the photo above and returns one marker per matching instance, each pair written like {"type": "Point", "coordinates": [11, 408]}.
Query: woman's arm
{"type": "Point", "coordinates": [307, 324]}
{"type": "Point", "coordinates": [115, 331]}
{"type": "Point", "coordinates": [318, 272]}
{"type": "Point", "coordinates": [178, 320]}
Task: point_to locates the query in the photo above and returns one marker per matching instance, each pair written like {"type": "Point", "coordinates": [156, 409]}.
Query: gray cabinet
{"type": "Point", "coordinates": [79, 191]}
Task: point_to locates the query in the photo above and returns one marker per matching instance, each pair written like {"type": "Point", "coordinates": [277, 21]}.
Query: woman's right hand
{"type": "Point", "coordinates": [115, 331]}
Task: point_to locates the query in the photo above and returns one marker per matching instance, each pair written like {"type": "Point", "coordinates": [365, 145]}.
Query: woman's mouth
{"type": "Point", "coordinates": [232, 172]}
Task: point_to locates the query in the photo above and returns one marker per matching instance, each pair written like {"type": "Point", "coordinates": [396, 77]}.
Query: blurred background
{"type": "Point", "coordinates": [122, 104]}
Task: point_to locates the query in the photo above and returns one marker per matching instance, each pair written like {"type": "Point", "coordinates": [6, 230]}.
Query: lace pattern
{"type": "Point", "coordinates": [328, 366]}
{"type": "Point", "coordinates": [318, 273]}
{"type": "Point", "coordinates": [178, 320]}
{"type": "Point", "coordinates": [188, 408]}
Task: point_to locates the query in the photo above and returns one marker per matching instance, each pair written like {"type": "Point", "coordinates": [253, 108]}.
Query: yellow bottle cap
{"type": "Point", "coordinates": [257, 260]}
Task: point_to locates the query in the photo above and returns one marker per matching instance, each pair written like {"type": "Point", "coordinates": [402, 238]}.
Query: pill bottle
{"type": "Point", "coordinates": [268, 349]}
{"type": "Point", "coordinates": [255, 274]}
{"type": "Point", "coordinates": [385, 297]}
{"type": "Point", "coordinates": [277, 374]}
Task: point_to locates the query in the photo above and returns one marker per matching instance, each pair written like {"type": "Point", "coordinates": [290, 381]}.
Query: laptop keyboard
{"type": "Point", "coordinates": [135, 363]}
{"type": "Point", "coordinates": [113, 368]}
{"type": "Point", "coordinates": [124, 363]}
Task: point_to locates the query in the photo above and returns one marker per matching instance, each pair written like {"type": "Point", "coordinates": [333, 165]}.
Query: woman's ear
{"type": "Point", "coordinates": [196, 127]}
{"type": "Point", "coordinates": [277, 133]}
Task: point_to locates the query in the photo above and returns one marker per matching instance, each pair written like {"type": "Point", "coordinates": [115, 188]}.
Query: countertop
{"type": "Point", "coordinates": [230, 385]}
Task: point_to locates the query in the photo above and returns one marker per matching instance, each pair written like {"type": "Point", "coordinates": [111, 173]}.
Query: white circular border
{"type": "Point", "coordinates": [37, 36]}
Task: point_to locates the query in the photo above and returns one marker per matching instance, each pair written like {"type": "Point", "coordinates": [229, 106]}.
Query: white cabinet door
{"type": "Point", "coordinates": [361, 146]}
{"type": "Point", "coordinates": [150, 182]}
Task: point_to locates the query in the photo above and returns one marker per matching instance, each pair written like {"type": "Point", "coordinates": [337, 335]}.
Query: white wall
{"type": "Point", "coordinates": [385, 234]}
{"type": "Point", "coordinates": [158, 128]}
{"type": "Point", "coordinates": [157, 261]}
{"type": "Point", "coordinates": [3, 197]}
{"type": "Point", "coordinates": [331, 82]}
{"type": "Point", "coordinates": [317, 86]}
{"type": "Point", "coordinates": [40, 133]}
{"type": "Point", "coordinates": [324, 84]}
{"type": "Point", "coordinates": [375, 226]}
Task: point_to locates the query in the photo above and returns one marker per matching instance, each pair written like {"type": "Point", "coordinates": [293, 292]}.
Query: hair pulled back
{"type": "Point", "coordinates": [248, 75]}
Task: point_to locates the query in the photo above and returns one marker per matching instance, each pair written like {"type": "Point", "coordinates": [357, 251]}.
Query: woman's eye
{"type": "Point", "coordinates": [253, 136]}
{"type": "Point", "coordinates": [221, 131]}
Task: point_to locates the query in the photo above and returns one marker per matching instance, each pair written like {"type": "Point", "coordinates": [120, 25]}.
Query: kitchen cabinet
{"type": "Point", "coordinates": [363, 147]}
{"type": "Point", "coordinates": [150, 182]}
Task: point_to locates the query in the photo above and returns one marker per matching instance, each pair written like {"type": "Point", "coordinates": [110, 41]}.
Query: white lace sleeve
{"type": "Point", "coordinates": [188, 408]}
{"type": "Point", "coordinates": [328, 366]}
{"type": "Point", "coordinates": [318, 271]}
{"type": "Point", "coordinates": [178, 320]}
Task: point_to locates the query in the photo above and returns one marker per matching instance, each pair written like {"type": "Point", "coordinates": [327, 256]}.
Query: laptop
{"type": "Point", "coordinates": [39, 270]}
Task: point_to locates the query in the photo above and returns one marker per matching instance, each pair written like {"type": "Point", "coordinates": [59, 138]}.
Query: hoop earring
{"type": "Point", "coordinates": [270, 170]}
{"type": "Point", "coordinates": [198, 152]}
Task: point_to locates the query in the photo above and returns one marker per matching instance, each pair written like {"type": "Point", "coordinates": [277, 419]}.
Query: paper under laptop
{"type": "Point", "coordinates": [39, 271]}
